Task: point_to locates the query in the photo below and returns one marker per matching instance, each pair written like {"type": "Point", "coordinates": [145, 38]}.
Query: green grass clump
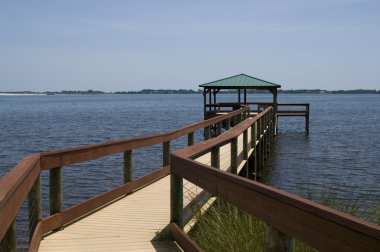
{"type": "Point", "coordinates": [223, 227]}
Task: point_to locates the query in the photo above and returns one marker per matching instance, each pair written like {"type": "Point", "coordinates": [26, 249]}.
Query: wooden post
{"type": "Point", "coordinates": [207, 132]}
{"type": "Point", "coordinates": [278, 241]}
{"type": "Point", "coordinates": [166, 153]}
{"type": "Point", "coordinates": [234, 150]}
{"type": "Point", "coordinates": [8, 243]}
{"type": "Point", "coordinates": [219, 128]}
{"type": "Point", "coordinates": [34, 206]}
{"type": "Point", "coordinates": [234, 121]}
{"type": "Point", "coordinates": [258, 149]}
{"type": "Point", "coordinates": [228, 123]}
{"type": "Point", "coordinates": [128, 168]}
{"type": "Point", "coordinates": [245, 151]}
{"type": "Point", "coordinates": [239, 118]}
{"type": "Point", "coordinates": [307, 118]}
{"type": "Point", "coordinates": [190, 139]}
{"type": "Point", "coordinates": [253, 135]}
{"type": "Point", "coordinates": [215, 157]}
{"type": "Point", "coordinates": [176, 200]}
{"type": "Point", "coordinates": [204, 104]}
{"type": "Point", "coordinates": [55, 190]}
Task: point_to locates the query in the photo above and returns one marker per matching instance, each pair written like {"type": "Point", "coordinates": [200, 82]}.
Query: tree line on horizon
{"type": "Point", "coordinates": [199, 91]}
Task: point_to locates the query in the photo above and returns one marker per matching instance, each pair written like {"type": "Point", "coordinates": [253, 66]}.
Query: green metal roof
{"type": "Point", "coordinates": [240, 81]}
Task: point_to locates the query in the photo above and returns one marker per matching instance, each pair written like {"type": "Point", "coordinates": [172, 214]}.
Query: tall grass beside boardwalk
{"type": "Point", "coordinates": [225, 228]}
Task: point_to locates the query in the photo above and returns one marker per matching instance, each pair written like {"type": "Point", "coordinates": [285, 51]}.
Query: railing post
{"type": "Point", "coordinates": [34, 206]}
{"type": "Point", "coordinates": [228, 123]}
{"type": "Point", "coordinates": [8, 243]}
{"type": "Point", "coordinates": [176, 200]}
{"type": "Point", "coordinates": [234, 150]}
{"type": "Point", "coordinates": [234, 120]}
{"type": "Point", "coordinates": [128, 174]}
{"type": "Point", "coordinates": [55, 190]}
{"type": "Point", "coordinates": [166, 153]}
{"type": "Point", "coordinates": [307, 117]}
{"type": "Point", "coordinates": [278, 241]}
{"type": "Point", "coordinates": [219, 128]}
{"type": "Point", "coordinates": [215, 157]}
{"type": "Point", "coordinates": [190, 139]}
{"type": "Point", "coordinates": [245, 151]}
{"type": "Point", "coordinates": [258, 150]}
{"type": "Point", "coordinates": [207, 132]}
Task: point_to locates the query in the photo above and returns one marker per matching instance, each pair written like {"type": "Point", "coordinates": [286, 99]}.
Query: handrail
{"type": "Point", "coordinates": [200, 148]}
{"type": "Point", "coordinates": [74, 155]}
{"type": "Point", "coordinates": [14, 188]}
{"type": "Point", "coordinates": [17, 184]}
{"type": "Point", "coordinates": [324, 228]}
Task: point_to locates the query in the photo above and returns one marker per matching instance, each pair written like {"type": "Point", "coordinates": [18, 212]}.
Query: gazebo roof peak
{"type": "Point", "coordinates": [240, 81]}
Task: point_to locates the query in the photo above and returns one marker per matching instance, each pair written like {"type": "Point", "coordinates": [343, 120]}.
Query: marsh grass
{"type": "Point", "coordinates": [225, 228]}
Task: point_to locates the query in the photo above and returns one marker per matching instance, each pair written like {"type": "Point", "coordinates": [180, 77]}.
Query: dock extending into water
{"type": "Point", "coordinates": [154, 212]}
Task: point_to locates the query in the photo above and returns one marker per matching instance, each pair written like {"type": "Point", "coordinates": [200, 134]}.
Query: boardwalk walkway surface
{"type": "Point", "coordinates": [130, 223]}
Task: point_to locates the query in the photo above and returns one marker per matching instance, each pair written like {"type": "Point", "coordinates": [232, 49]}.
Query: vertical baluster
{"type": "Point", "coordinates": [219, 128]}
{"type": "Point", "coordinates": [190, 139]}
{"type": "Point", "coordinates": [176, 200]}
{"type": "Point", "coordinates": [245, 151]}
{"type": "Point", "coordinates": [55, 190]}
{"type": "Point", "coordinates": [215, 157]}
{"type": "Point", "coordinates": [234, 150]}
{"type": "Point", "coordinates": [228, 123]}
{"type": "Point", "coordinates": [207, 132]}
{"type": "Point", "coordinates": [34, 206]}
{"type": "Point", "coordinates": [8, 243]}
{"type": "Point", "coordinates": [128, 169]}
{"type": "Point", "coordinates": [166, 153]}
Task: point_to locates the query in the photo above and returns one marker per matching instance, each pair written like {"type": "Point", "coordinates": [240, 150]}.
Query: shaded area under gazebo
{"type": "Point", "coordinates": [242, 83]}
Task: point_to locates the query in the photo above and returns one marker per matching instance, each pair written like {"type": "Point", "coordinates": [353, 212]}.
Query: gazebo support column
{"type": "Point", "coordinates": [274, 92]}
{"type": "Point", "coordinates": [245, 96]}
{"type": "Point", "coordinates": [204, 103]}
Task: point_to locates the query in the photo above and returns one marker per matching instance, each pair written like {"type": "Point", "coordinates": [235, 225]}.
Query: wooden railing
{"type": "Point", "coordinates": [288, 216]}
{"type": "Point", "coordinates": [24, 180]}
{"type": "Point", "coordinates": [282, 109]}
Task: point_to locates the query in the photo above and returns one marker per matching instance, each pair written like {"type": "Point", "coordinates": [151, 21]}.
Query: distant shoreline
{"type": "Point", "coordinates": [189, 91]}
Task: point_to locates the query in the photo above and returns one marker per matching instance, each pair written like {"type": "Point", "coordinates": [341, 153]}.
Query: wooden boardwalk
{"type": "Point", "coordinates": [132, 222]}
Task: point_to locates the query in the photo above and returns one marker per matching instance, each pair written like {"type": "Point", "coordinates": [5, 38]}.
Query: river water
{"type": "Point", "coordinates": [342, 150]}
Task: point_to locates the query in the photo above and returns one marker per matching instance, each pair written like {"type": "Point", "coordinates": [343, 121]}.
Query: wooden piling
{"type": "Point", "coordinates": [34, 206]}
{"type": "Point", "coordinates": [55, 190]}
{"type": "Point", "coordinates": [128, 169]}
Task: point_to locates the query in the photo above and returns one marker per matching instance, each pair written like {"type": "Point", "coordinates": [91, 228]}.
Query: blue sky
{"type": "Point", "coordinates": [131, 45]}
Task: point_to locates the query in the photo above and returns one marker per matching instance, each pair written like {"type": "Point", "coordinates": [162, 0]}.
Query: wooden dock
{"type": "Point", "coordinates": [131, 223]}
{"type": "Point", "coordinates": [141, 214]}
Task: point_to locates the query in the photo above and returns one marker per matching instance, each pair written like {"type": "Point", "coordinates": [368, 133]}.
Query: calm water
{"type": "Point", "coordinates": [342, 150]}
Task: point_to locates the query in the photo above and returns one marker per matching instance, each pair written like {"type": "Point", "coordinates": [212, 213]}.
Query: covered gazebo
{"type": "Point", "coordinates": [241, 82]}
